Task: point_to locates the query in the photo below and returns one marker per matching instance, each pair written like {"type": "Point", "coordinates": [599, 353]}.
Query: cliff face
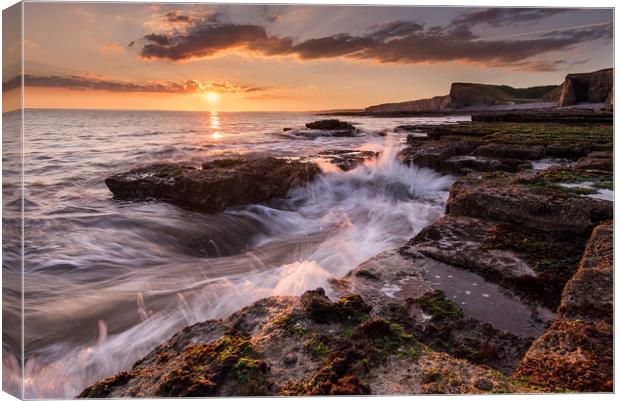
{"type": "Point", "coordinates": [593, 87]}
{"type": "Point", "coordinates": [472, 95]}
{"type": "Point", "coordinates": [436, 103]}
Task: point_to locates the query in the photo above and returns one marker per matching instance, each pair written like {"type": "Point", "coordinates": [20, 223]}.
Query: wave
{"type": "Point", "coordinates": [317, 233]}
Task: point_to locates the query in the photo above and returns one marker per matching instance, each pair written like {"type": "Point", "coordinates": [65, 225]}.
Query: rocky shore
{"type": "Point", "coordinates": [528, 222]}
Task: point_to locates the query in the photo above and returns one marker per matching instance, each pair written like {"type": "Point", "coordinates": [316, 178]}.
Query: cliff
{"type": "Point", "coordinates": [467, 95]}
{"type": "Point", "coordinates": [436, 103]}
{"type": "Point", "coordinates": [592, 87]}
{"type": "Point", "coordinates": [471, 95]}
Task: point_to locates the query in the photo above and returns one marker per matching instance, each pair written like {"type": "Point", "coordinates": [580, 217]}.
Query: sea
{"type": "Point", "coordinates": [105, 281]}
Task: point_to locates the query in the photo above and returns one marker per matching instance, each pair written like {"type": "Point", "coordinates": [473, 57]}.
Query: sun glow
{"type": "Point", "coordinates": [212, 97]}
{"type": "Point", "coordinates": [215, 125]}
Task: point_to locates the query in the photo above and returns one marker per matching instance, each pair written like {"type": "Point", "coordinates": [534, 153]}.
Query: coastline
{"type": "Point", "coordinates": [390, 315]}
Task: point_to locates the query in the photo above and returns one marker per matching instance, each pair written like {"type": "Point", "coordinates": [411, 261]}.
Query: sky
{"type": "Point", "coordinates": [290, 58]}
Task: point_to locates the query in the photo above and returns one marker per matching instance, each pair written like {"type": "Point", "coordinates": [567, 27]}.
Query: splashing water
{"type": "Point", "coordinates": [160, 268]}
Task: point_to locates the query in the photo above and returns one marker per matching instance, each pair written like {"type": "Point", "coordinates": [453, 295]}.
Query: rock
{"type": "Point", "coordinates": [437, 103]}
{"type": "Point", "coordinates": [589, 293]}
{"type": "Point", "coordinates": [534, 263]}
{"type": "Point", "coordinates": [484, 95]}
{"type": "Point", "coordinates": [572, 355]}
{"type": "Point", "coordinates": [509, 199]}
{"type": "Point", "coordinates": [331, 125]}
{"type": "Point", "coordinates": [567, 94]}
{"type": "Point", "coordinates": [592, 87]}
{"type": "Point", "coordinates": [512, 151]}
{"type": "Point", "coordinates": [315, 133]}
{"type": "Point", "coordinates": [469, 95]}
{"type": "Point", "coordinates": [403, 287]}
{"type": "Point", "coordinates": [465, 242]}
{"type": "Point", "coordinates": [602, 160]}
{"type": "Point", "coordinates": [546, 115]}
{"type": "Point", "coordinates": [276, 347]}
{"type": "Point", "coordinates": [575, 353]}
{"type": "Point", "coordinates": [348, 159]}
{"type": "Point", "coordinates": [434, 154]}
{"type": "Point", "coordinates": [565, 151]}
{"type": "Point", "coordinates": [218, 185]}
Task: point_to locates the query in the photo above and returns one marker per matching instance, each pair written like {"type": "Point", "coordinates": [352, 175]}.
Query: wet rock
{"type": "Point", "coordinates": [602, 160]}
{"type": "Point", "coordinates": [464, 241]}
{"type": "Point", "coordinates": [547, 116]}
{"type": "Point", "coordinates": [320, 309]}
{"type": "Point", "coordinates": [534, 263]}
{"type": "Point", "coordinates": [218, 185]}
{"type": "Point", "coordinates": [589, 293]}
{"type": "Point", "coordinates": [573, 355]}
{"type": "Point", "coordinates": [330, 125]}
{"type": "Point", "coordinates": [457, 157]}
{"type": "Point", "coordinates": [402, 288]}
{"type": "Point", "coordinates": [434, 154]}
{"type": "Point", "coordinates": [348, 159]}
{"type": "Point", "coordinates": [277, 347]}
{"type": "Point", "coordinates": [512, 151]}
{"type": "Point", "coordinates": [565, 150]}
{"type": "Point", "coordinates": [516, 199]}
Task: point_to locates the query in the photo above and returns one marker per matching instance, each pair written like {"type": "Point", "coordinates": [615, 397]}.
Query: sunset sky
{"type": "Point", "coordinates": [252, 57]}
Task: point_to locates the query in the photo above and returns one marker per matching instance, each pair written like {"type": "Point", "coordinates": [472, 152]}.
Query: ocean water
{"type": "Point", "coordinates": [106, 280]}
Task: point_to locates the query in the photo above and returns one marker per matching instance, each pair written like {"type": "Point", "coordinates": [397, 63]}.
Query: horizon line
{"type": "Point", "coordinates": [184, 111]}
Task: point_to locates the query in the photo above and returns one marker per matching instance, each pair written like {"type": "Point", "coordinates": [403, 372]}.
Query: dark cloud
{"type": "Point", "coordinates": [497, 17]}
{"type": "Point", "coordinates": [89, 82]}
{"type": "Point", "coordinates": [406, 42]}
{"type": "Point", "coordinates": [207, 39]}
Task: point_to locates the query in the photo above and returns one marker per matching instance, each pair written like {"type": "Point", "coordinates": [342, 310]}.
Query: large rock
{"type": "Point", "coordinates": [473, 94]}
{"type": "Point", "coordinates": [533, 263]}
{"type": "Point", "coordinates": [573, 355]}
{"type": "Point", "coordinates": [602, 160]}
{"type": "Point", "coordinates": [216, 186]}
{"type": "Point", "coordinates": [330, 125]}
{"type": "Point", "coordinates": [592, 87]}
{"type": "Point", "coordinates": [512, 151]}
{"type": "Point", "coordinates": [470, 95]}
{"type": "Point", "coordinates": [509, 199]}
{"type": "Point", "coordinates": [576, 353]}
{"type": "Point", "coordinates": [589, 294]}
{"type": "Point", "coordinates": [456, 157]}
{"type": "Point", "coordinates": [466, 242]}
{"type": "Point", "coordinates": [348, 159]}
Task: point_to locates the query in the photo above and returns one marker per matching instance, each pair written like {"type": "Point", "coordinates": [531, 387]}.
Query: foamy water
{"type": "Point", "coordinates": [106, 281]}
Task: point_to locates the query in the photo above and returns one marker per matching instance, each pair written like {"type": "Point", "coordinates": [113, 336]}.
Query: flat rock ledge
{"type": "Point", "coordinates": [218, 185]}
{"type": "Point", "coordinates": [490, 147]}
{"type": "Point", "coordinates": [524, 231]}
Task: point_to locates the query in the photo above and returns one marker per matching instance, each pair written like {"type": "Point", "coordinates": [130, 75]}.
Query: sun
{"type": "Point", "coordinates": [212, 97]}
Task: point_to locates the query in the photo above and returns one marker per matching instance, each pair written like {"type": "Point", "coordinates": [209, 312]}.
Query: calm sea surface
{"type": "Point", "coordinates": [106, 281]}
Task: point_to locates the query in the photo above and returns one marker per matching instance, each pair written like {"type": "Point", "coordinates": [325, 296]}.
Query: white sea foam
{"type": "Point", "coordinates": [137, 273]}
